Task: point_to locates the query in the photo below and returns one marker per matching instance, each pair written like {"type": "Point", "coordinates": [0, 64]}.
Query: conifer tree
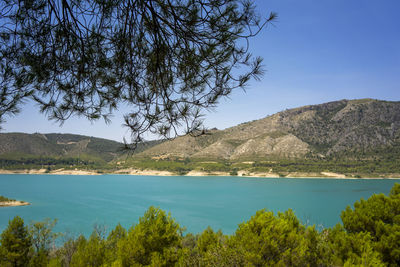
{"type": "Point", "coordinates": [15, 244]}
{"type": "Point", "coordinates": [165, 59]}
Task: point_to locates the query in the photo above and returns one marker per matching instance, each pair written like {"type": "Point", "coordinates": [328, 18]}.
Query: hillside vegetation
{"type": "Point", "coordinates": [358, 138]}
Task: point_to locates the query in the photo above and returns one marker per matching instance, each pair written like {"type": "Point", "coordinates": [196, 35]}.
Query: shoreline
{"type": "Point", "coordinates": [15, 203]}
{"type": "Point", "coordinates": [194, 173]}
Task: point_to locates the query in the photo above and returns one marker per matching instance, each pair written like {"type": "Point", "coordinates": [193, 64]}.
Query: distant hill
{"type": "Point", "coordinates": [58, 145]}
{"type": "Point", "coordinates": [346, 128]}
{"type": "Point", "coordinates": [55, 145]}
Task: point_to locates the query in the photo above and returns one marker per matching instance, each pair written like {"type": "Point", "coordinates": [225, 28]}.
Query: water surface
{"type": "Point", "coordinates": [79, 202]}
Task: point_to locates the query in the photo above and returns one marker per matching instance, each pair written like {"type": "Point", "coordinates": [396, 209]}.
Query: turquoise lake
{"type": "Point", "coordinates": [80, 202]}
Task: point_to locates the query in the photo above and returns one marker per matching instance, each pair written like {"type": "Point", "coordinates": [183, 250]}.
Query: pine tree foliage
{"type": "Point", "coordinates": [380, 216]}
{"type": "Point", "coordinates": [166, 59]}
{"type": "Point", "coordinates": [369, 236]}
{"type": "Point", "coordinates": [15, 244]}
{"type": "Point", "coordinates": [154, 241]}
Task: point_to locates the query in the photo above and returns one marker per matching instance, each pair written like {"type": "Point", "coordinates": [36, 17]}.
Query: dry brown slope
{"type": "Point", "coordinates": [323, 129]}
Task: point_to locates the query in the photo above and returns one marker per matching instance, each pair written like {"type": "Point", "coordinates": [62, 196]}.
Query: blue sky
{"type": "Point", "coordinates": [316, 52]}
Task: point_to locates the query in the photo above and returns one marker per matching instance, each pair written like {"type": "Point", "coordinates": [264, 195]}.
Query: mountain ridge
{"type": "Point", "coordinates": [355, 138]}
{"type": "Point", "coordinates": [322, 130]}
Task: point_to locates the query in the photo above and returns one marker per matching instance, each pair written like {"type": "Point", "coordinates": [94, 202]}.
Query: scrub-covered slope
{"type": "Point", "coordinates": [346, 128]}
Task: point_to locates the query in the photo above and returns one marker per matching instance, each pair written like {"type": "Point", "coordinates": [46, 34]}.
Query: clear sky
{"type": "Point", "coordinates": [316, 52]}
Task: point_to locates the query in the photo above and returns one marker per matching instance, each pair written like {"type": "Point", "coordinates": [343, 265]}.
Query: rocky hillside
{"type": "Point", "coordinates": [340, 128]}
{"type": "Point", "coordinates": [356, 129]}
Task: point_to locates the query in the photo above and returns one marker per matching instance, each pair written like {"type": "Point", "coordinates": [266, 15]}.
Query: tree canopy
{"type": "Point", "coordinates": [166, 59]}
{"type": "Point", "coordinates": [15, 244]}
{"type": "Point", "coordinates": [369, 236]}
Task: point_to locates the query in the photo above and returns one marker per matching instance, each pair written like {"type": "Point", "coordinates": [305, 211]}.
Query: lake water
{"type": "Point", "coordinates": [80, 202]}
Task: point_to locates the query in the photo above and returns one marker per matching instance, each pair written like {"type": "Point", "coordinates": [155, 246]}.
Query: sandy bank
{"type": "Point", "coordinates": [14, 203]}
{"type": "Point", "coordinates": [333, 174]}
{"type": "Point", "coordinates": [73, 172]}
{"type": "Point", "coordinates": [40, 171]}
{"type": "Point", "coordinates": [132, 171]}
{"type": "Point", "coordinates": [44, 171]}
{"type": "Point", "coordinates": [241, 173]}
{"type": "Point", "coordinates": [200, 173]}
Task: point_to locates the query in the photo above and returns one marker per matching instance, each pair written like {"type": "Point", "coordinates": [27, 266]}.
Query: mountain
{"type": "Point", "coordinates": [58, 145]}
{"type": "Point", "coordinates": [354, 138]}
{"type": "Point", "coordinates": [55, 145]}
{"type": "Point", "coordinates": [345, 128]}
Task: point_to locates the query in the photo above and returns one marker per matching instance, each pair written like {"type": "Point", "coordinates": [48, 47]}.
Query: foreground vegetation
{"type": "Point", "coordinates": [369, 236]}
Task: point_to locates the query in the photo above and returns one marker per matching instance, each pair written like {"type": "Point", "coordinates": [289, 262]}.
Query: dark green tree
{"type": "Point", "coordinates": [349, 249]}
{"type": "Point", "coordinates": [117, 235]}
{"type": "Point", "coordinates": [90, 252]}
{"type": "Point", "coordinates": [379, 216]}
{"type": "Point", "coordinates": [166, 59]}
{"type": "Point", "coordinates": [268, 240]}
{"type": "Point", "coordinates": [155, 240]}
{"type": "Point", "coordinates": [15, 244]}
{"type": "Point", "coordinates": [209, 239]}
{"type": "Point", "coordinates": [203, 249]}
